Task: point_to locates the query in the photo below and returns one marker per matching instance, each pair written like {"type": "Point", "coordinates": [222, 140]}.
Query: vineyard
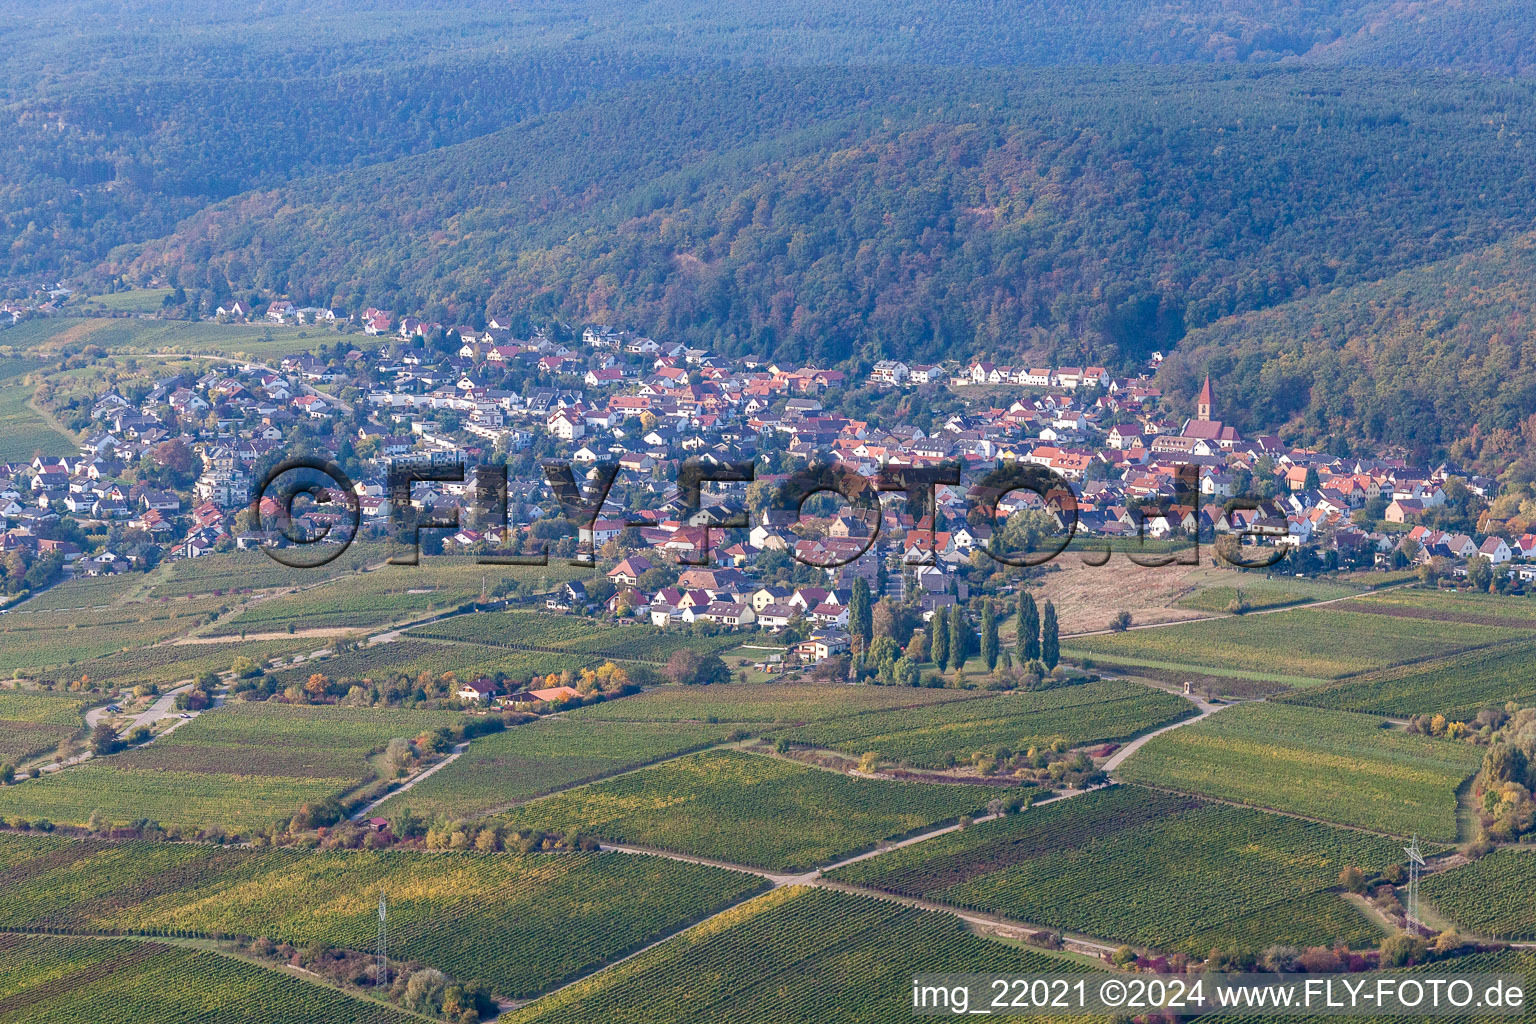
{"type": "Point", "coordinates": [1450, 606]}
{"type": "Point", "coordinates": [60, 639]}
{"type": "Point", "coordinates": [48, 979]}
{"type": "Point", "coordinates": [242, 767]}
{"type": "Point", "coordinates": [24, 433]}
{"type": "Point", "coordinates": [746, 809]}
{"type": "Point", "coordinates": [33, 722]}
{"type": "Point", "coordinates": [388, 593]}
{"type": "Point", "coordinates": [84, 592]}
{"type": "Point", "coordinates": [1521, 962]}
{"type": "Point", "coordinates": [521, 923]}
{"type": "Point", "coordinates": [1129, 865]}
{"type": "Point", "coordinates": [164, 664]}
{"type": "Point", "coordinates": [537, 632]}
{"type": "Point", "coordinates": [1301, 646]}
{"type": "Point", "coordinates": [543, 756]}
{"type": "Point", "coordinates": [931, 737]}
{"type": "Point", "coordinates": [1457, 687]}
{"type": "Point", "coordinates": [789, 957]}
{"type": "Point", "coordinates": [1494, 896]}
{"type": "Point", "coordinates": [1333, 765]}
{"type": "Point", "coordinates": [765, 703]}
{"type": "Point", "coordinates": [1260, 593]}
{"type": "Point", "coordinates": [411, 657]}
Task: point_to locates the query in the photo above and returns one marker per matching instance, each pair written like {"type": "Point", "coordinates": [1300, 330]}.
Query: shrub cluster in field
{"type": "Point", "coordinates": [1333, 765]}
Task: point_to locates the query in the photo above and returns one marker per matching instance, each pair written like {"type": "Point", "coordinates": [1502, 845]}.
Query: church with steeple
{"type": "Point", "coordinates": [1205, 426]}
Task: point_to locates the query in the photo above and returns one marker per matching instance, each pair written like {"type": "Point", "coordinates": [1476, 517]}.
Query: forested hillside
{"type": "Point", "coordinates": [1437, 358]}
{"type": "Point", "coordinates": [1039, 180]}
{"type": "Point", "coordinates": [127, 117]}
{"type": "Point", "coordinates": [1094, 215]}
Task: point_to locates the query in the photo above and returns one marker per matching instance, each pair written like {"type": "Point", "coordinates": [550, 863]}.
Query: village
{"type": "Point", "coordinates": [384, 393]}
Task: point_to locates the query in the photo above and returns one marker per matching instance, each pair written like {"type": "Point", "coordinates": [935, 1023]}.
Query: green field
{"type": "Point", "coordinates": [931, 737]}
{"type": "Point", "coordinates": [256, 341]}
{"type": "Point", "coordinates": [32, 722]}
{"type": "Point", "coordinates": [520, 923]}
{"type": "Point", "coordinates": [1302, 645]}
{"type": "Point", "coordinates": [23, 432]}
{"type": "Point", "coordinates": [793, 956]}
{"type": "Point", "coordinates": [1162, 871]}
{"type": "Point", "coordinates": [85, 592]}
{"type": "Point", "coordinates": [746, 809]}
{"type": "Point", "coordinates": [133, 300]}
{"type": "Point", "coordinates": [410, 657]}
{"type": "Point", "coordinates": [542, 756]}
{"type": "Point", "coordinates": [1262, 593]}
{"type": "Point", "coordinates": [48, 979]}
{"type": "Point", "coordinates": [242, 767]}
{"type": "Point", "coordinates": [56, 641]}
{"type": "Point", "coordinates": [385, 594]}
{"type": "Point", "coordinates": [1332, 765]}
{"type": "Point", "coordinates": [1458, 687]}
{"type": "Point", "coordinates": [1450, 606]}
{"type": "Point", "coordinates": [1493, 897]}
{"type": "Point", "coordinates": [164, 664]}
{"type": "Point", "coordinates": [759, 703]}
{"type": "Point", "coordinates": [544, 633]}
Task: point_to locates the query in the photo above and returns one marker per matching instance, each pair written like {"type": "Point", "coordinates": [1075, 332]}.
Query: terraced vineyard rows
{"type": "Point", "coordinates": [1457, 687]}
{"type": "Point", "coordinates": [167, 663]}
{"type": "Point", "coordinates": [543, 756]}
{"type": "Point", "coordinates": [1109, 709]}
{"type": "Point", "coordinates": [766, 702]}
{"type": "Point", "coordinates": [32, 722]}
{"type": "Point", "coordinates": [1494, 896]}
{"type": "Point", "coordinates": [57, 640]}
{"type": "Point", "coordinates": [242, 767]}
{"type": "Point", "coordinates": [1510, 961]}
{"type": "Point", "coordinates": [1332, 765]}
{"type": "Point", "coordinates": [411, 657]}
{"type": "Point", "coordinates": [792, 956]}
{"type": "Point", "coordinates": [521, 923]}
{"type": "Point", "coordinates": [1337, 643]}
{"type": "Point", "coordinates": [44, 980]}
{"type": "Point", "coordinates": [1129, 865]}
{"type": "Point", "coordinates": [758, 811]}
{"type": "Point", "coordinates": [532, 631]}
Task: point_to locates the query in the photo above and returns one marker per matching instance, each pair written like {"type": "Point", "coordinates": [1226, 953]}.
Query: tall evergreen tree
{"type": "Point", "coordinates": [860, 620]}
{"type": "Point", "coordinates": [988, 636]}
{"type": "Point", "coordinates": [938, 643]}
{"type": "Point", "coordinates": [959, 637]}
{"type": "Point", "coordinates": [1029, 629]}
{"type": "Point", "coordinates": [882, 580]}
{"type": "Point", "coordinates": [1050, 644]}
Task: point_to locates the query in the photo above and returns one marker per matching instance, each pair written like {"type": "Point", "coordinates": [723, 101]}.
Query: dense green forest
{"type": "Point", "coordinates": [1437, 358]}
{"type": "Point", "coordinates": [1035, 180]}
{"type": "Point", "coordinates": [823, 213]}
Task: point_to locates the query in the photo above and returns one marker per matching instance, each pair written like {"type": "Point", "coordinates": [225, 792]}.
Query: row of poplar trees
{"type": "Point", "coordinates": [952, 641]}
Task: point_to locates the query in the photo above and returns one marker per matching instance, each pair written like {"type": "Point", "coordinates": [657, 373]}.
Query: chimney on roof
{"type": "Point", "coordinates": [1204, 403]}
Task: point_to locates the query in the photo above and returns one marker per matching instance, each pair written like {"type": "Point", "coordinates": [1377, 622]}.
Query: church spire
{"type": "Point", "coordinates": [1205, 403]}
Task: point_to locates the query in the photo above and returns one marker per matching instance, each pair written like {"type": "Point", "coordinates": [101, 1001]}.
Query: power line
{"type": "Point", "coordinates": [381, 971]}
{"type": "Point", "coordinates": [1415, 863]}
